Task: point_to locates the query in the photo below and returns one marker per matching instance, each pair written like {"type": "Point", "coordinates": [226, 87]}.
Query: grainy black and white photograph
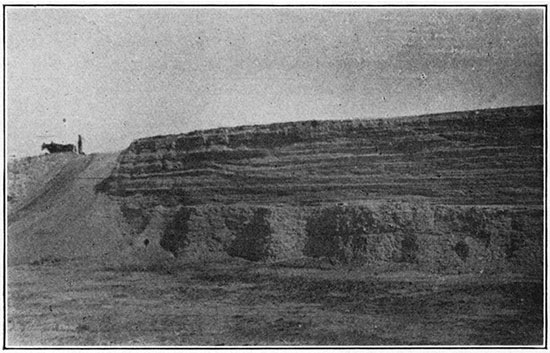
{"type": "Point", "coordinates": [274, 176]}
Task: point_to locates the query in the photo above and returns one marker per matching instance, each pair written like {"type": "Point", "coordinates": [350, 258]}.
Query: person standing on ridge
{"type": "Point", "coordinates": [80, 145]}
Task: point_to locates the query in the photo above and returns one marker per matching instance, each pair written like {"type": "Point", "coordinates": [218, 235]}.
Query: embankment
{"type": "Point", "coordinates": [455, 193]}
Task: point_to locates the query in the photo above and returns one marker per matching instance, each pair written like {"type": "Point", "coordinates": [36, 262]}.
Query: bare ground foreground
{"type": "Point", "coordinates": [393, 232]}
{"type": "Point", "coordinates": [242, 303]}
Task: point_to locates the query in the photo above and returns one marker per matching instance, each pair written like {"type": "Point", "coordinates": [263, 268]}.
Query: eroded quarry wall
{"type": "Point", "coordinates": [436, 238]}
{"type": "Point", "coordinates": [458, 192]}
{"type": "Point", "coordinates": [454, 193]}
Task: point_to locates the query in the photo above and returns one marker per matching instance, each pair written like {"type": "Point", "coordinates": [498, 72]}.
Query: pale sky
{"type": "Point", "coordinates": [114, 74]}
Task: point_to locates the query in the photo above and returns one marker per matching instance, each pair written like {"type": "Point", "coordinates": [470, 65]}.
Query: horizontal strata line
{"type": "Point", "coordinates": [517, 181]}
{"type": "Point", "coordinates": [310, 199]}
{"type": "Point", "coordinates": [351, 170]}
{"type": "Point", "coordinates": [388, 168]}
{"type": "Point", "coordinates": [440, 165]}
{"type": "Point", "coordinates": [520, 182]}
{"type": "Point", "coordinates": [380, 137]}
{"type": "Point", "coordinates": [445, 174]}
{"type": "Point", "coordinates": [302, 186]}
{"type": "Point", "coordinates": [341, 191]}
{"type": "Point", "coordinates": [294, 190]}
{"type": "Point", "coordinates": [332, 153]}
{"type": "Point", "coordinates": [349, 145]}
{"type": "Point", "coordinates": [173, 173]}
{"type": "Point", "coordinates": [355, 146]}
{"type": "Point", "coordinates": [450, 163]}
{"type": "Point", "coordinates": [363, 160]}
{"type": "Point", "coordinates": [385, 157]}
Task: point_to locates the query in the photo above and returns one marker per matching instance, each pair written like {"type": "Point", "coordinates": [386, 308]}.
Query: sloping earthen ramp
{"type": "Point", "coordinates": [66, 218]}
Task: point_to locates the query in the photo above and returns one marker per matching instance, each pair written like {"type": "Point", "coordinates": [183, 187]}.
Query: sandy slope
{"type": "Point", "coordinates": [28, 176]}
{"type": "Point", "coordinates": [66, 218]}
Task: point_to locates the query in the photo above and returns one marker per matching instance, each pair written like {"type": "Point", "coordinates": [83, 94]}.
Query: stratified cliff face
{"type": "Point", "coordinates": [450, 192]}
{"type": "Point", "coordinates": [485, 157]}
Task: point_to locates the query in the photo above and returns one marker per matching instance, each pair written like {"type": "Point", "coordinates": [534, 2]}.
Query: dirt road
{"type": "Point", "coordinates": [66, 218]}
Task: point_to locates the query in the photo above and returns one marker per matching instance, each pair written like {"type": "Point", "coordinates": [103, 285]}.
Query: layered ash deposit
{"type": "Point", "coordinates": [482, 157]}
{"type": "Point", "coordinates": [447, 192]}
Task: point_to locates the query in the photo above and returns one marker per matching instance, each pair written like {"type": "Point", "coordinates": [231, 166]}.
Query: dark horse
{"type": "Point", "coordinates": [57, 148]}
